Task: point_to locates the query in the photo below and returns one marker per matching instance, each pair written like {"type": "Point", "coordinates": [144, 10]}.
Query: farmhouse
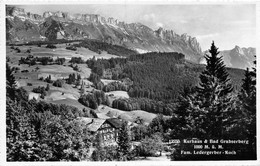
{"type": "Point", "coordinates": [107, 128]}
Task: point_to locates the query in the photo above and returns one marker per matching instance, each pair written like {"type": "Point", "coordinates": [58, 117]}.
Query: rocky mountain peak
{"type": "Point", "coordinates": [22, 14]}
{"type": "Point", "coordinates": [15, 11]}
{"type": "Point", "coordinates": [238, 50]}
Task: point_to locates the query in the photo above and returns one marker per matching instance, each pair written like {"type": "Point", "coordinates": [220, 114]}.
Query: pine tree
{"type": "Point", "coordinates": [22, 142]}
{"type": "Point", "coordinates": [253, 73]}
{"type": "Point", "coordinates": [246, 107]}
{"type": "Point", "coordinates": [10, 82]}
{"type": "Point", "coordinates": [123, 141]}
{"type": "Point", "coordinates": [82, 88]}
{"type": "Point", "coordinates": [248, 85]}
{"type": "Point", "coordinates": [204, 113]}
{"type": "Point", "coordinates": [214, 95]}
{"type": "Point", "coordinates": [214, 74]}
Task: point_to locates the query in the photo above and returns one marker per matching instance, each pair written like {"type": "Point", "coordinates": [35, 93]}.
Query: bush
{"type": "Point", "coordinates": [73, 48]}
{"type": "Point", "coordinates": [51, 46]}
{"type": "Point", "coordinates": [76, 60]}
{"type": "Point", "coordinates": [60, 61]}
{"type": "Point", "coordinates": [76, 68]}
{"type": "Point", "coordinates": [24, 71]}
{"type": "Point", "coordinates": [74, 79]}
{"type": "Point", "coordinates": [48, 79]}
{"type": "Point", "coordinates": [18, 50]}
{"type": "Point", "coordinates": [41, 90]}
{"type": "Point", "coordinates": [28, 51]}
{"type": "Point", "coordinates": [58, 83]}
{"type": "Point", "coordinates": [47, 87]}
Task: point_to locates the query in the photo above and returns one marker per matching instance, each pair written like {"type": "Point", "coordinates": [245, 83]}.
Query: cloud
{"type": "Point", "coordinates": [159, 24]}
{"type": "Point", "coordinates": [241, 22]}
{"type": "Point", "coordinates": [183, 21]}
{"type": "Point", "coordinates": [149, 17]}
{"type": "Point", "coordinates": [201, 37]}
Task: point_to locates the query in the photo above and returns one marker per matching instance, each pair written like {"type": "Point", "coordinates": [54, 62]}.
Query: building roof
{"type": "Point", "coordinates": [102, 116]}
{"type": "Point", "coordinates": [116, 123]}
{"type": "Point", "coordinates": [92, 124]}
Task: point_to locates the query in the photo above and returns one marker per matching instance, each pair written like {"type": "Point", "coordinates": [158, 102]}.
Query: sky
{"type": "Point", "coordinates": [228, 25]}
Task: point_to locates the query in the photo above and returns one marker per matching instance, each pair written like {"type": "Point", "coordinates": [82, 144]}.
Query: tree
{"type": "Point", "coordinates": [149, 146]}
{"type": "Point", "coordinates": [98, 153]}
{"type": "Point", "coordinates": [47, 87]}
{"type": "Point", "coordinates": [123, 141]}
{"type": "Point", "coordinates": [158, 124]}
{"type": "Point", "coordinates": [22, 143]}
{"type": "Point", "coordinates": [60, 61]}
{"type": "Point", "coordinates": [138, 132]}
{"type": "Point", "coordinates": [207, 111]}
{"type": "Point", "coordinates": [214, 95]}
{"type": "Point", "coordinates": [215, 74]}
{"type": "Point", "coordinates": [82, 89]}
{"type": "Point", "coordinates": [10, 82]}
{"type": "Point", "coordinates": [245, 126]}
{"type": "Point", "coordinates": [58, 83]}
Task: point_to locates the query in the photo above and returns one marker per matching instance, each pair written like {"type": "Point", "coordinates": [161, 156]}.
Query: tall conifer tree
{"type": "Point", "coordinates": [10, 82]}
{"type": "Point", "coordinates": [246, 107]}
{"type": "Point", "coordinates": [123, 141]}
{"type": "Point", "coordinates": [205, 112]}
{"type": "Point", "coordinates": [213, 95]}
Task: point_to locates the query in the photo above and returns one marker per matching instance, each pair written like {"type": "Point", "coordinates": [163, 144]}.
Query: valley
{"type": "Point", "coordinates": [67, 94]}
{"type": "Point", "coordinates": [83, 87]}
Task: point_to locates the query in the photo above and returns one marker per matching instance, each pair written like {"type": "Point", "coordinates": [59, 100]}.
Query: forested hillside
{"type": "Point", "coordinates": [158, 79]}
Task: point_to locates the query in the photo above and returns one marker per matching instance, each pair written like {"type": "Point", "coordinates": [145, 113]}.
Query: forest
{"type": "Point", "coordinates": [158, 79]}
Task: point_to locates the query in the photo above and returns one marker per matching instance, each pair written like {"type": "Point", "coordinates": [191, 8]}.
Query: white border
{"type": "Point", "coordinates": [184, 2]}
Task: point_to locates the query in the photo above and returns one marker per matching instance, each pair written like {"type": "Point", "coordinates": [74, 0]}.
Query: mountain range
{"type": "Point", "coordinates": [237, 57]}
{"type": "Point", "coordinates": [22, 27]}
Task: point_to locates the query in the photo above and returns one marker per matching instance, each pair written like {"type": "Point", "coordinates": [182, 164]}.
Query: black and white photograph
{"type": "Point", "coordinates": [128, 82]}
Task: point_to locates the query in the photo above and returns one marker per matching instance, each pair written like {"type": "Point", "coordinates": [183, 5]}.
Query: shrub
{"type": "Point", "coordinates": [58, 83]}
{"type": "Point", "coordinates": [48, 79]}
{"type": "Point", "coordinates": [51, 46]}
{"type": "Point", "coordinates": [47, 87]}
{"type": "Point", "coordinates": [18, 50]}
{"type": "Point", "coordinates": [76, 60]}
{"type": "Point", "coordinates": [41, 90]}
{"type": "Point", "coordinates": [24, 71]}
{"type": "Point", "coordinates": [73, 48]}
{"type": "Point", "coordinates": [60, 61]}
{"type": "Point", "coordinates": [76, 68]}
